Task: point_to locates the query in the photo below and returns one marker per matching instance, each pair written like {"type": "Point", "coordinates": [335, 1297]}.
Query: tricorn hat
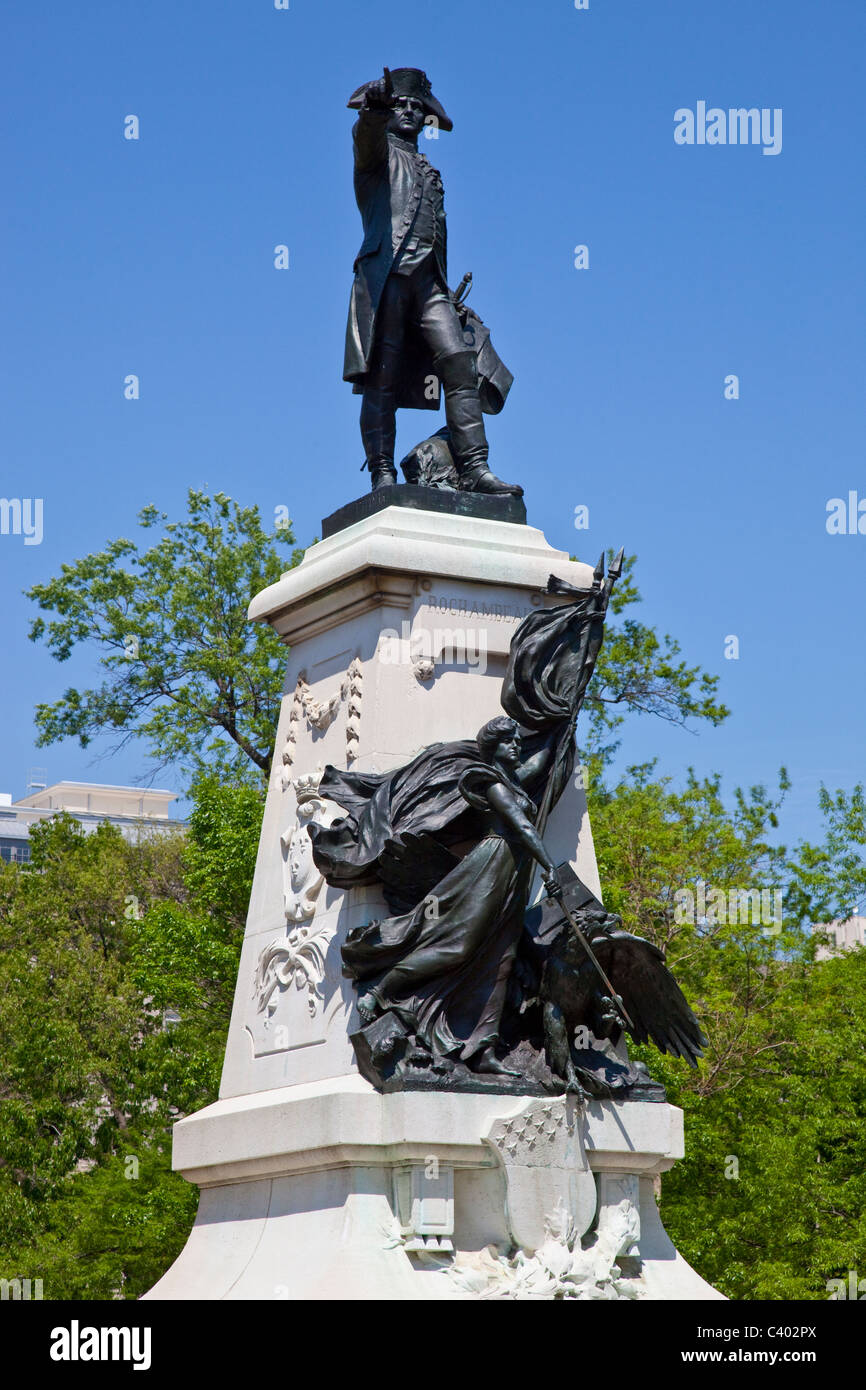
{"type": "Point", "coordinates": [409, 82]}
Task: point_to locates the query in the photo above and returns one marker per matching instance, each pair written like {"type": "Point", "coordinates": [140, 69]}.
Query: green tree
{"type": "Point", "coordinates": [117, 970]}
{"type": "Point", "coordinates": [184, 669]}
{"type": "Point", "coordinates": [769, 1200]}
{"type": "Point", "coordinates": [828, 880]}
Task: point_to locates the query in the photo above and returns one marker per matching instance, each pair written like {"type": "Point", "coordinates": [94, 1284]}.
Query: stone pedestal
{"type": "Point", "coordinates": [315, 1185]}
{"type": "Point", "coordinates": [334, 1191]}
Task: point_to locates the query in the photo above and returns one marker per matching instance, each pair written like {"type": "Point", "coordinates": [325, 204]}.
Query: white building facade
{"type": "Point", "coordinates": [131, 809]}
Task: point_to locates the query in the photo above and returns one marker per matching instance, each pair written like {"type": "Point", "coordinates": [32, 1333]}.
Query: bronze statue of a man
{"type": "Point", "coordinates": [404, 336]}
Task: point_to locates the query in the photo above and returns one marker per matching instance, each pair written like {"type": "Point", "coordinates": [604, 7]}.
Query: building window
{"type": "Point", "coordinates": [15, 854]}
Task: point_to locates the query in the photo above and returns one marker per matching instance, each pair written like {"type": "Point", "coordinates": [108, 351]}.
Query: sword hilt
{"type": "Point", "coordinates": [462, 289]}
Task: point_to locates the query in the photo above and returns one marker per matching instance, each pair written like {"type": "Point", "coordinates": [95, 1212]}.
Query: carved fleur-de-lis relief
{"type": "Point", "coordinates": [290, 748]}
{"type": "Point", "coordinates": [320, 715]}
{"type": "Point", "coordinates": [299, 960]}
{"type": "Point", "coordinates": [354, 690]}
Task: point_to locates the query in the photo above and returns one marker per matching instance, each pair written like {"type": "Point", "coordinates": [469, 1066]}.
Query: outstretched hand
{"type": "Point", "coordinates": [381, 93]}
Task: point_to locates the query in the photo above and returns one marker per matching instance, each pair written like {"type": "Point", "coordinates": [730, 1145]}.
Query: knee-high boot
{"type": "Point", "coordinates": [378, 433]}
{"type": "Point", "coordinates": [458, 373]}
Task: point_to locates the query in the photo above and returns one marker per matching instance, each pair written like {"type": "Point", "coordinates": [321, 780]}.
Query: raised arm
{"type": "Point", "coordinates": [370, 131]}
{"type": "Point", "coordinates": [536, 767]}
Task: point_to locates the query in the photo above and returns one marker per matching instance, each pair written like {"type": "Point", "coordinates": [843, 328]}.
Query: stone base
{"type": "Point", "coordinates": [335, 1191]}
{"type": "Point", "coordinates": [492, 506]}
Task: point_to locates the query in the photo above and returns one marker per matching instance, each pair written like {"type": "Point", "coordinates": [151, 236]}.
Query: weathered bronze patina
{"type": "Point", "coordinates": [463, 986]}
{"type": "Point", "coordinates": [409, 339]}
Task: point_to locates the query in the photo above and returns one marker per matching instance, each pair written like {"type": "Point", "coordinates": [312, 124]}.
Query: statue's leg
{"type": "Point", "coordinates": [558, 1047]}
{"type": "Point", "coordinates": [480, 1048]}
{"type": "Point", "coordinates": [457, 369]}
{"type": "Point", "coordinates": [379, 406]}
{"type": "Point", "coordinates": [458, 373]}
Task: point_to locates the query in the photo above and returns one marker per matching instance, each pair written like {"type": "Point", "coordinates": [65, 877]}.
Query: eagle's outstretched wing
{"type": "Point", "coordinates": [651, 995]}
{"type": "Point", "coordinates": [410, 866]}
{"type": "Point", "coordinates": [635, 967]}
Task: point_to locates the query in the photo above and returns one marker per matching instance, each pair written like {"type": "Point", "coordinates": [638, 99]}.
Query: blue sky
{"type": "Point", "coordinates": [155, 257]}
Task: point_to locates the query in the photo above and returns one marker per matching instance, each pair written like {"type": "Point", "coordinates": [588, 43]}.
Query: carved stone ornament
{"type": "Point", "coordinates": [299, 958]}
{"type": "Point", "coordinates": [545, 1169]}
{"type": "Point", "coordinates": [320, 714]}
{"type": "Point", "coordinates": [423, 669]}
{"type": "Point", "coordinates": [302, 880]}
{"type": "Point", "coordinates": [563, 1267]}
{"type": "Point", "coordinates": [559, 1249]}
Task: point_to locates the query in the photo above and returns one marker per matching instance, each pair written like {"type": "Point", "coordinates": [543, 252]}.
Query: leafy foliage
{"type": "Point", "coordinates": [100, 940]}
{"type": "Point", "coordinates": [769, 1201]}
{"type": "Point", "coordinates": [829, 880]}
{"type": "Point", "coordinates": [184, 668]}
